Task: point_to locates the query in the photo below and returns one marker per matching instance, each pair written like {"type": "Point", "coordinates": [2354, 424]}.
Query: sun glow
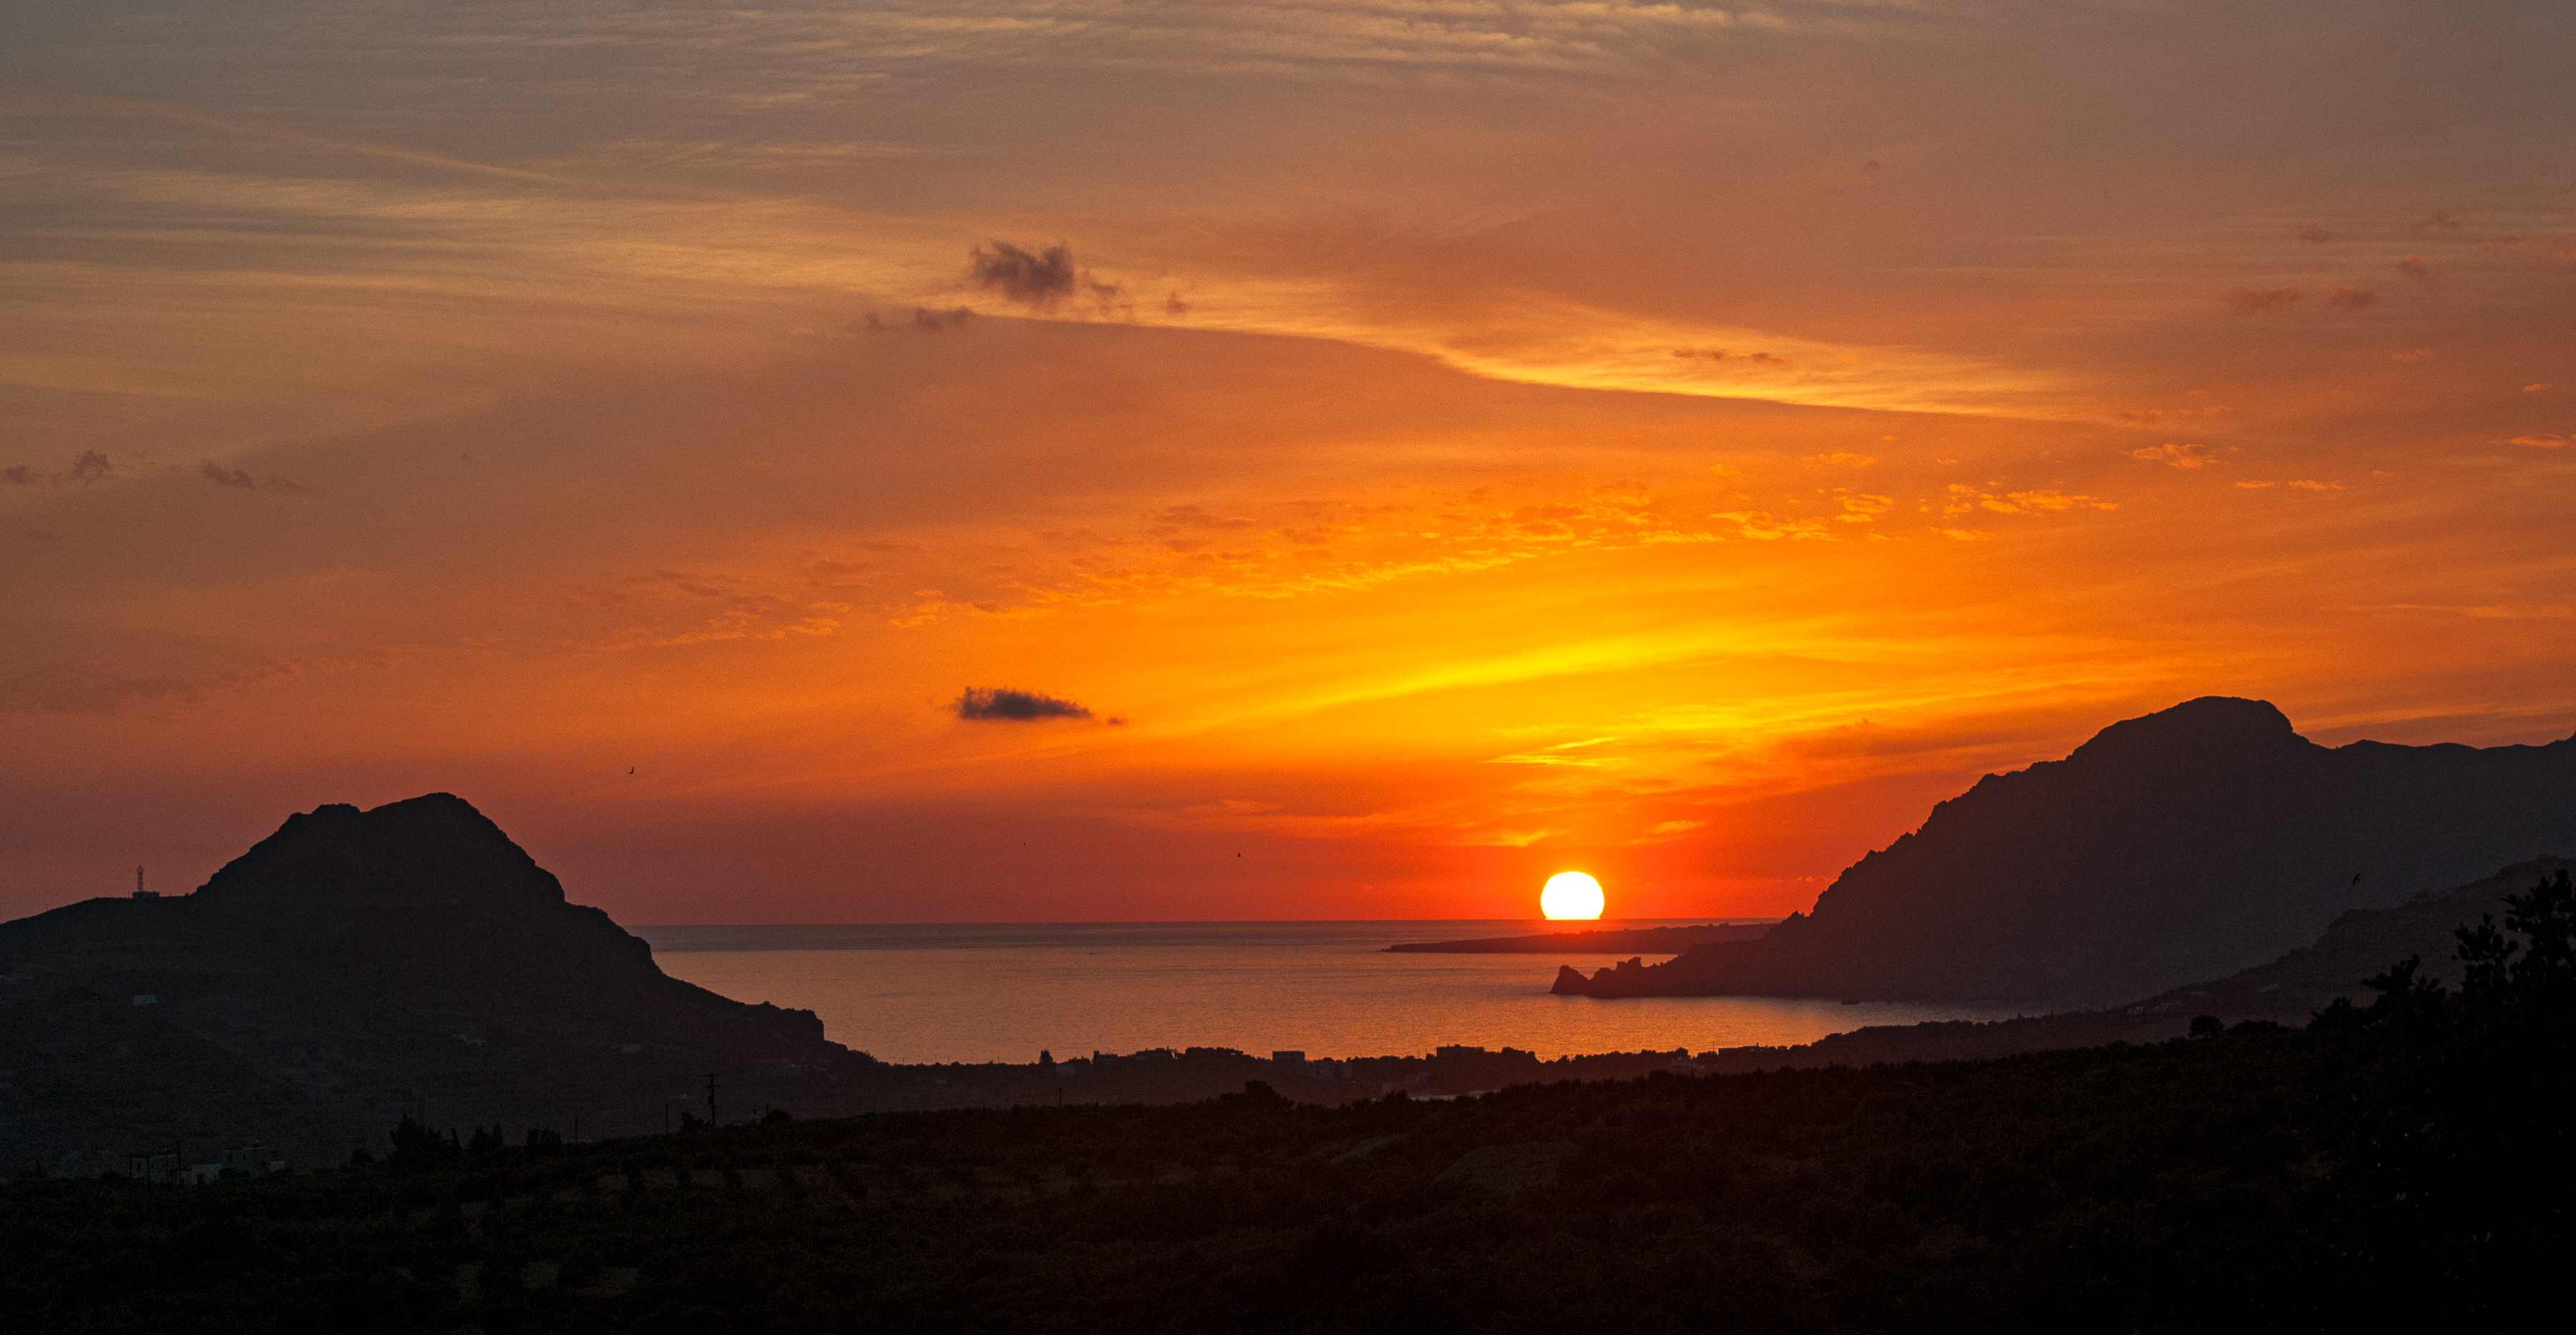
{"type": "Point", "coordinates": [1570, 894]}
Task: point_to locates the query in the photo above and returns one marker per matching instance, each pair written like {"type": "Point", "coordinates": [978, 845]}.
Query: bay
{"type": "Point", "coordinates": [979, 992]}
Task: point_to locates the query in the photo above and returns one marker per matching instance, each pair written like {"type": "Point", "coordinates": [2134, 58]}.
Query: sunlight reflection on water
{"type": "Point", "coordinates": [1000, 992]}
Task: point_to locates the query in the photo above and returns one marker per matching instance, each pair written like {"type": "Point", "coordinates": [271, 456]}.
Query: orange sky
{"type": "Point", "coordinates": [1459, 442]}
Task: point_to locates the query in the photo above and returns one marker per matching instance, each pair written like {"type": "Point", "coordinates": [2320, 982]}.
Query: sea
{"type": "Point", "coordinates": [1003, 992]}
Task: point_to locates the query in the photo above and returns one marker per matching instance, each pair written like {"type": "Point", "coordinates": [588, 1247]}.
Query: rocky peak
{"type": "Point", "coordinates": [434, 849]}
{"type": "Point", "coordinates": [2198, 730]}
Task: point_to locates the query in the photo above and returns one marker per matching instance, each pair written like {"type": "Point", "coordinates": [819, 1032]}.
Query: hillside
{"type": "Point", "coordinates": [2397, 1165]}
{"type": "Point", "coordinates": [351, 967]}
{"type": "Point", "coordinates": [2188, 844]}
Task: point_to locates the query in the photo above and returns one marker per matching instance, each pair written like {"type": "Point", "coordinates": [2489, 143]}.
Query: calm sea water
{"type": "Point", "coordinates": [1000, 992]}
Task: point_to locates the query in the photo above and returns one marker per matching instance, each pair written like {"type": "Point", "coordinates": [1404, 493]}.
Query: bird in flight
{"type": "Point", "coordinates": [630, 769]}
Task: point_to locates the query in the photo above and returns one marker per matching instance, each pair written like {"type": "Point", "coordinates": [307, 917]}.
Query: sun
{"type": "Point", "coordinates": [1570, 894]}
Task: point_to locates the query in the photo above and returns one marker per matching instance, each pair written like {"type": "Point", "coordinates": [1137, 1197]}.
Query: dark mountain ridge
{"type": "Point", "coordinates": [354, 966]}
{"type": "Point", "coordinates": [2183, 845]}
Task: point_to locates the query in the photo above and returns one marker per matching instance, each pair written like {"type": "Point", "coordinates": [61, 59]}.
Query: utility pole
{"type": "Point", "coordinates": [711, 1098]}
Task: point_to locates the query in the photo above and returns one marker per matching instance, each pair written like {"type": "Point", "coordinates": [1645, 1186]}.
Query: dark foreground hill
{"type": "Point", "coordinates": [2187, 844]}
{"type": "Point", "coordinates": [349, 968]}
{"type": "Point", "coordinates": [2400, 1166]}
{"type": "Point", "coordinates": [2288, 991]}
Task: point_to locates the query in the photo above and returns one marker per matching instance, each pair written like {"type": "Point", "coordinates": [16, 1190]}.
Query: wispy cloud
{"type": "Point", "coordinates": [2178, 456]}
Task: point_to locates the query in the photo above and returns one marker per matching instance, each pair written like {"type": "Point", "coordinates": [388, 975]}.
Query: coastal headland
{"type": "Point", "coordinates": [2185, 845]}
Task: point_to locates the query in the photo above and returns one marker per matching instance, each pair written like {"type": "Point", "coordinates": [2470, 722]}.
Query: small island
{"type": "Point", "coordinates": [1638, 940]}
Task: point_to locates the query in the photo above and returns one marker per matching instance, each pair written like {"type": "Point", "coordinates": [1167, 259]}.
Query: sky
{"type": "Point", "coordinates": [1027, 461]}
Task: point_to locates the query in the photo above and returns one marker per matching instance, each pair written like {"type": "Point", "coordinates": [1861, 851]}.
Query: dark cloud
{"type": "Point", "coordinates": [2413, 266]}
{"type": "Point", "coordinates": [1003, 705]}
{"type": "Point", "coordinates": [2250, 299]}
{"type": "Point", "coordinates": [2311, 232]}
{"type": "Point", "coordinates": [1041, 280]}
{"type": "Point", "coordinates": [90, 467]}
{"type": "Point", "coordinates": [2438, 221]}
{"type": "Point", "coordinates": [924, 320]}
{"type": "Point", "coordinates": [2351, 300]}
{"type": "Point", "coordinates": [235, 477]}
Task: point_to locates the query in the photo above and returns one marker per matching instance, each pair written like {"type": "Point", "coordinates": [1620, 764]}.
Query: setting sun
{"type": "Point", "coordinates": [1570, 894]}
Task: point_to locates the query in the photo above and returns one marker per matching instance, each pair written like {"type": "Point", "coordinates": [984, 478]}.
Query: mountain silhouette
{"type": "Point", "coordinates": [356, 967]}
{"type": "Point", "coordinates": [2188, 844]}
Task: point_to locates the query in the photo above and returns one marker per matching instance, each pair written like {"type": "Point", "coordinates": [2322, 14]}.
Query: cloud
{"type": "Point", "coordinates": [2350, 300]}
{"type": "Point", "coordinates": [2257, 486]}
{"type": "Point", "coordinates": [1858, 506]}
{"type": "Point", "coordinates": [1763, 526]}
{"type": "Point", "coordinates": [234, 477]}
{"type": "Point", "coordinates": [2535, 389]}
{"type": "Point", "coordinates": [2412, 355]}
{"type": "Point", "coordinates": [1175, 517]}
{"type": "Point", "coordinates": [2179, 456]}
{"type": "Point", "coordinates": [2029, 502]}
{"type": "Point", "coordinates": [1032, 280]}
{"type": "Point", "coordinates": [1722, 355]}
{"type": "Point", "coordinates": [1041, 280]}
{"type": "Point", "coordinates": [90, 467]}
{"type": "Point", "coordinates": [2437, 221]}
{"type": "Point", "coordinates": [1967, 500]}
{"type": "Point", "coordinates": [2560, 245]}
{"type": "Point", "coordinates": [2413, 266]}
{"type": "Point", "coordinates": [2152, 416]}
{"type": "Point", "coordinates": [2311, 484]}
{"type": "Point", "coordinates": [2311, 232]}
{"type": "Point", "coordinates": [2249, 300]}
{"type": "Point", "coordinates": [61, 688]}
{"type": "Point", "coordinates": [2541, 441]}
{"type": "Point", "coordinates": [989, 704]}
{"type": "Point", "coordinates": [1839, 459]}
